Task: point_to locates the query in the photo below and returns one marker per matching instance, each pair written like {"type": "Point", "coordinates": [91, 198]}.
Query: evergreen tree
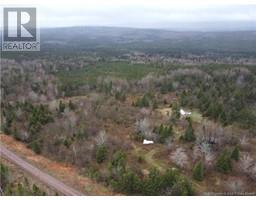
{"type": "Point", "coordinates": [189, 133]}
{"type": "Point", "coordinates": [224, 164]}
{"type": "Point", "coordinates": [36, 146]}
{"type": "Point", "coordinates": [101, 153]}
{"type": "Point", "coordinates": [223, 118]}
{"type": "Point", "coordinates": [175, 111]}
{"type": "Point", "coordinates": [118, 163]}
{"type": "Point", "coordinates": [61, 107]}
{"type": "Point", "coordinates": [235, 154]}
{"type": "Point", "coordinates": [153, 183]}
{"type": "Point", "coordinates": [155, 106]}
{"type": "Point", "coordinates": [129, 183]}
{"type": "Point", "coordinates": [198, 171]}
{"type": "Point", "coordinates": [71, 105]}
{"type": "Point", "coordinates": [4, 179]}
{"type": "Point", "coordinates": [182, 188]}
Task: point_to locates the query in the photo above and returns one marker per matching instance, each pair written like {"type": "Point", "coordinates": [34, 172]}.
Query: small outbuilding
{"type": "Point", "coordinates": [184, 113]}
{"type": "Point", "coordinates": [148, 141]}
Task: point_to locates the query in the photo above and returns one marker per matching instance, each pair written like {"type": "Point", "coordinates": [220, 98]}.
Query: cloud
{"type": "Point", "coordinates": [142, 13]}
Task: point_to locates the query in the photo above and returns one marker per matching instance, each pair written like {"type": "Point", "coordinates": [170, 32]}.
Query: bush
{"type": "Point", "coordinates": [101, 153]}
{"type": "Point", "coordinates": [198, 171]}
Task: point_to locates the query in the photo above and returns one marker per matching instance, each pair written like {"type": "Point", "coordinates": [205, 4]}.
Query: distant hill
{"type": "Point", "coordinates": [117, 41]}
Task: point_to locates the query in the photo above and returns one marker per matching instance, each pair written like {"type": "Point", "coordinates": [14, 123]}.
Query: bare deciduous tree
{"type": "Point", "coordinates": [246, 162]}
{"type": "Point", "coordinates": [243, 141]}
{"type": "Point", "coordinates": [145, 128]}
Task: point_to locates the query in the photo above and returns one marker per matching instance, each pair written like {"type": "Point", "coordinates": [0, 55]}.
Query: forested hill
{"type": "Point", "coordinates": [118, 41]}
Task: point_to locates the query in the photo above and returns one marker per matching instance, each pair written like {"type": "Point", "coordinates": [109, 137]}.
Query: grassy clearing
{"type": "Point", "coordinates": [196, 116]}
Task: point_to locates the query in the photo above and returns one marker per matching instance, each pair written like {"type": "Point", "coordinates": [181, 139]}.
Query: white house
{"type": "Point", "coordinates": [148, 141]}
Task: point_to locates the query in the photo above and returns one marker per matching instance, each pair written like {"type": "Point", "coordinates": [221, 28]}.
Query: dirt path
{"type": "Point", "coordinates": [38, 174]}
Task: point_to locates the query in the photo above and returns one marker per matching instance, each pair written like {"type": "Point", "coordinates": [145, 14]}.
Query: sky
{"type": "Point", "coordinates": [167, 14]}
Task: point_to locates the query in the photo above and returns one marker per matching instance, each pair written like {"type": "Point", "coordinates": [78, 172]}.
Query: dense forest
{"type": "Point", "coordinates": [94, 110]}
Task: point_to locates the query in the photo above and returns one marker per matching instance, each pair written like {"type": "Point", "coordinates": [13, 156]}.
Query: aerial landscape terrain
{"type": "Point", "coordinates": [128, 111]}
